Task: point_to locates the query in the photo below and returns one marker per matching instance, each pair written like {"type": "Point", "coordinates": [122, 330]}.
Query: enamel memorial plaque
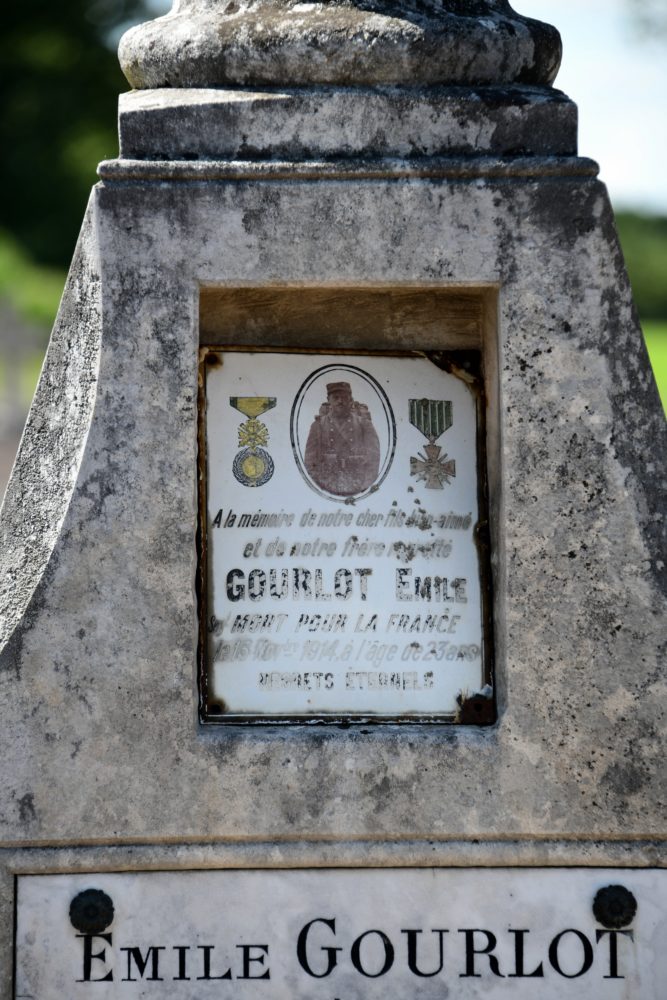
{"type": "Point", "coordinates": [343, 573]}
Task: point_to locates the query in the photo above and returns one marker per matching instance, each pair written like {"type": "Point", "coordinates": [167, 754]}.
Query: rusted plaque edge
{"type": "Point", "coordinates": [479, 709]}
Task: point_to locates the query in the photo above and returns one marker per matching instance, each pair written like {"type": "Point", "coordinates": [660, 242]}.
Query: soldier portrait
{"type": "Point", "coordinates": [343, 450]}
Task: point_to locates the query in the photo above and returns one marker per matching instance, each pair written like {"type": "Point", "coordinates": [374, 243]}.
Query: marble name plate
{"type": "Point", "coordinates": [344, 568]}
{"type": "Point", "coordinates": [344, 934]}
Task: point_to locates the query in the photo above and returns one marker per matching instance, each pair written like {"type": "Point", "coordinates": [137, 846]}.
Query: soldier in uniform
{"type": "Point", "coordinates": [343, 450]}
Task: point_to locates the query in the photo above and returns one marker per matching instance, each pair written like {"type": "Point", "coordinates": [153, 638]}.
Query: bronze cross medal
{"type": "Point", "coordinates": [432, 417]}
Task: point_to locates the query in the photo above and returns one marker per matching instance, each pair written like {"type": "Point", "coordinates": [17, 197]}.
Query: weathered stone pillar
{"type": "Point", "coordinates": [394, 178]}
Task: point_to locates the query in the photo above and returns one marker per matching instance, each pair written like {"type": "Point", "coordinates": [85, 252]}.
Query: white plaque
{"type": "Point", "coordinates": [342, 564]}
{"type": "Point", "coordinates": [342, 934]}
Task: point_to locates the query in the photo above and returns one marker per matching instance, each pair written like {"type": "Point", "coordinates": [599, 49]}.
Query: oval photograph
{"type": "Point", "coordinates": [343, 432]}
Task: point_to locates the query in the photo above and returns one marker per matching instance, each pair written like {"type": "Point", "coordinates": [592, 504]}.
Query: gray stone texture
{"type": "Point", "coordinates": [205, 43]}
{"type": "Point", "coordinates": [100, 739]}
{"type": "Point", "coordinates": [320, 123]}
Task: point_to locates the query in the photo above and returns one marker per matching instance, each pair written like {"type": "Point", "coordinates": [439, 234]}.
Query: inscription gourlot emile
{"type": "Point", "coordinates": [326, 944]}
{"type": "Point", "coordinates": [339, 585]}
{"type": "Point", "coordinates": [376, 586]}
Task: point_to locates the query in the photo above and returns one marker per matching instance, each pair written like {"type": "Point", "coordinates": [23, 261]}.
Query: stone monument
{"type": "Point", "coordinates": [332, 569]}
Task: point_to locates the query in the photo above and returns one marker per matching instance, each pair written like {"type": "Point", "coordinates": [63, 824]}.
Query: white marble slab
{"type": "Point", "coordinates": [344, 934]}
{"type": "Point", "coordinates": [343, 572]}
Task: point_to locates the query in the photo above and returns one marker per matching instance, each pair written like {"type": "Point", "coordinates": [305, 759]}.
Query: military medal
{"type": "Point", "coordinates": [253, 466]}
{"type": "Point", "coordinates": [432, 417]}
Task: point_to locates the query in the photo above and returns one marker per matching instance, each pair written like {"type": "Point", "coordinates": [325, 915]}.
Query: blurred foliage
{"type": "Point", "coordinates": [59, 86]}
{"type": "Point", "coordinates": [33, 290]}
{"type": "Point", "coordinates": [644, 242]}
{"type": "Point", "coordinates": [655, 335]}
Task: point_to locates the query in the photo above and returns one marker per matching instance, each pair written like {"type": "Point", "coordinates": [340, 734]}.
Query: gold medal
{"type": "Point", "coordinates": [253, 466]}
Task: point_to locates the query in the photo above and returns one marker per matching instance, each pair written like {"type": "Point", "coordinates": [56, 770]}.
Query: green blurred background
{"type": "Point", "coordinates": [59, 86]}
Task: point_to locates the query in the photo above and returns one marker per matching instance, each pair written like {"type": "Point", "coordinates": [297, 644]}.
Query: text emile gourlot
{"type": "Point", "coordinates": [321, 951]}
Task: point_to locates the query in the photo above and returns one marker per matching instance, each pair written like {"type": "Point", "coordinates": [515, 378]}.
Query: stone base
{"type": "Point", "coordinates": [99, 735]}
{"type": "Point", "coordinates": [319, 123]}
{"type": "Point", "coordinates": [99, 731]}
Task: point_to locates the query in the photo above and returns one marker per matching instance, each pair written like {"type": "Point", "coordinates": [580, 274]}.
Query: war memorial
{"type": "Point", "coordinates": [332, 565]}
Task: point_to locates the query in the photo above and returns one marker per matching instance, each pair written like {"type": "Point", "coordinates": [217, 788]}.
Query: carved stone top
{"type": "Point", "coordinates": [210, 43]}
